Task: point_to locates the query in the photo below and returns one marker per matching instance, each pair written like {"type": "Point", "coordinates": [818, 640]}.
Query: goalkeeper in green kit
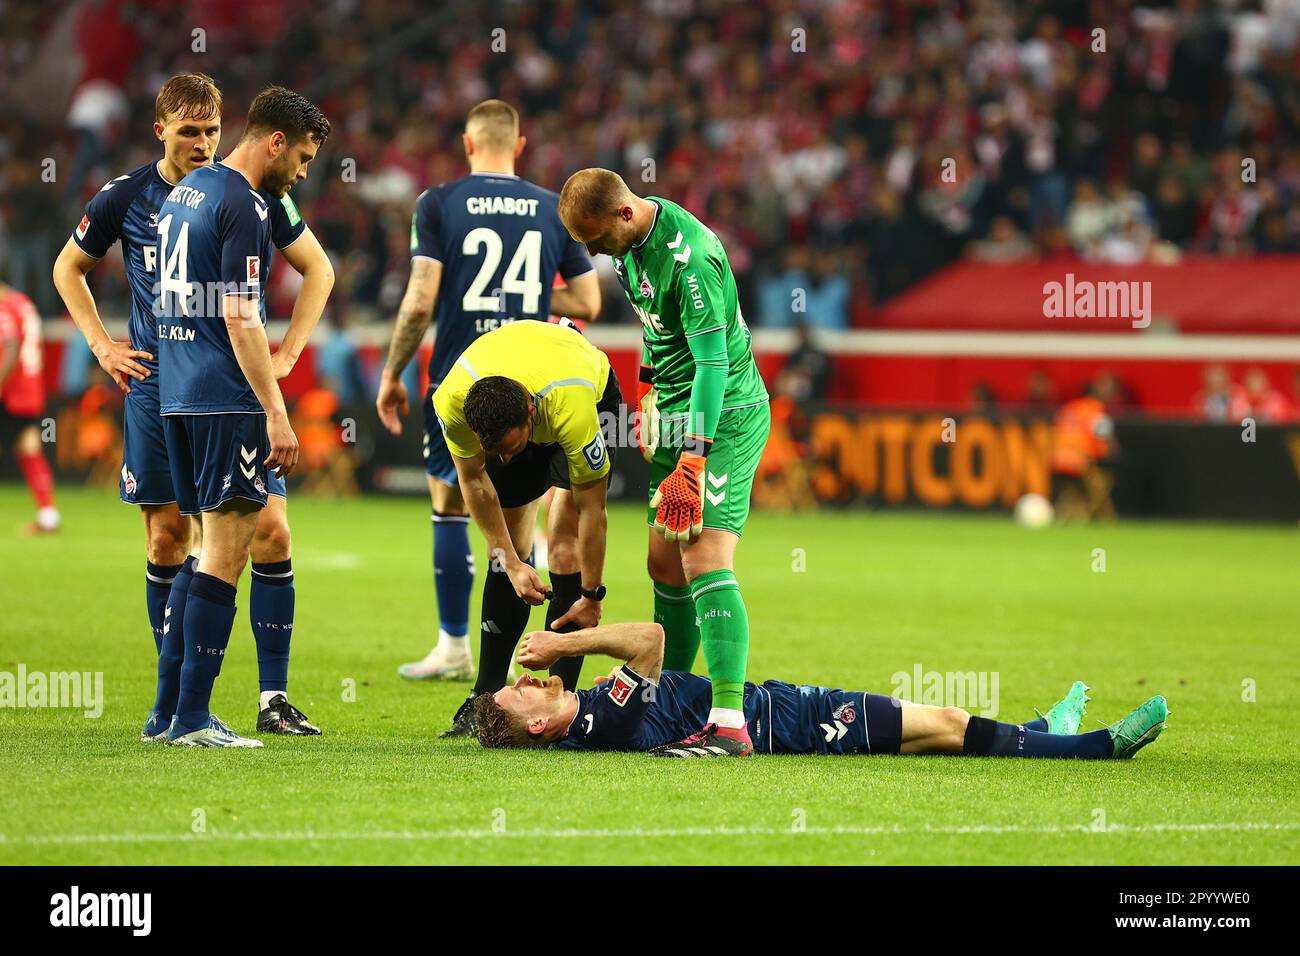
{"type": "Point", "coordinates": [703, 424]}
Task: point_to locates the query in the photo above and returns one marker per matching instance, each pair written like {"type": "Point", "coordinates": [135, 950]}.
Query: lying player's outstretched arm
{"type": "Point", "coordinates": [311, 262]}
{"type": "Point", "coordinates": [413, 318]}
{"type": "Point", "coordinates": [640, 645]}
{"type": "Point", "coordinates": [248, 339]}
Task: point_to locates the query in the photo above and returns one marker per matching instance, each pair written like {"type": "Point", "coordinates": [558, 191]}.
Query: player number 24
{"type": "Point", "coordinates": [523, 275]}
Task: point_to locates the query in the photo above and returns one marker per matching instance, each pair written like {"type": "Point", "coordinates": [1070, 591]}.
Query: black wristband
{"type": "Point", "coordinates": [596, 594]}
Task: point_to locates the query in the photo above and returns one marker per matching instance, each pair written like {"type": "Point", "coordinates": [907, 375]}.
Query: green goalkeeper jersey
{"type": "Point", "coordinates": [696, 341]}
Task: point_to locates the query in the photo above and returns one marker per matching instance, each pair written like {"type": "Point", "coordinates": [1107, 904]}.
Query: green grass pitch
{"type": "Point", "coordinates": [1197, 612]}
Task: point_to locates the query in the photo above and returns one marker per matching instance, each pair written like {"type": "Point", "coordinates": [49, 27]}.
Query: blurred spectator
{"type": "Point", "coordinates": [806, 375]}
{"type": "Point", "coordinates": [1258, 399]}
{"type": "Point", "coordinates": [1216, 400]}
{"type": "Point", "coordinates": [1004, 243]}
{"type": "Point", "coordinates": [1040, 393]}
{"type": "Point", "coordinates": [982, 400]}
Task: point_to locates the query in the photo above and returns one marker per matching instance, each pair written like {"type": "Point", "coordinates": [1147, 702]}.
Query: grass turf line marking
{"type": "Point", "coordinates": [257, 836]}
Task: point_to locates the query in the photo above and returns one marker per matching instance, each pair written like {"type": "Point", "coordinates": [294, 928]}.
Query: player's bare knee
{"type": "Point", "coordinates": [166, 536]}
{"type": "Point", "coordinates": [562, 555]}
{"type": "Point", "coordinates": [666, 571]}
{"type": "Point", "coordinates": [955, 720]}
{"type": "Point", "coordinates": [272, 541]}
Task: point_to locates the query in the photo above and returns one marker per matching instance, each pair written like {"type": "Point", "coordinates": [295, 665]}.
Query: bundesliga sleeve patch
{"type": "Point", "coordinates": [594, 453]}
{"type": "Point", "coordinates": [621, 688]}
{"type": "Point", "coordinates": [254, 269]}
{"type": "Point", "coordinates": [82, 227]}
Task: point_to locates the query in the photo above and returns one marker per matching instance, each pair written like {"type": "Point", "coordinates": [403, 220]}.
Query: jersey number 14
{"type": "Point", "coordinates": [175, 268]}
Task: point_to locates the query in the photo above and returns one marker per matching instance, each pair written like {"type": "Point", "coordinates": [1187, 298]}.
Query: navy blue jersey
{"type": "Point", "coordinates": [500, 241]}
{"type": "Point", "coordinates": [215, 234]}
{"type": "Point", "coordinates": [629, 712]}
{"type": "Point", "coordinates": [126, 211]}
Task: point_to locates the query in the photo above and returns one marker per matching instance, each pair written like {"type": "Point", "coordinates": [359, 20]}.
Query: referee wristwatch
{"type": "Point", "coordinates": [596, 594]}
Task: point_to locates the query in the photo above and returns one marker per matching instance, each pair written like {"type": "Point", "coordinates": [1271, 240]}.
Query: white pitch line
{"type": "Point", "coordinates": [256, 836]}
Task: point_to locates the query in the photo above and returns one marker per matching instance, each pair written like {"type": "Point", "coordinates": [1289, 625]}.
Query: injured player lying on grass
{"type": "Point", "coordinates": [640, 708]}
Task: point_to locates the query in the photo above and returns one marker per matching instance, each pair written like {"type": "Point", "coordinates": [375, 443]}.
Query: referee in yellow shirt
{"type": "Point", "coordinates": [521, 412]}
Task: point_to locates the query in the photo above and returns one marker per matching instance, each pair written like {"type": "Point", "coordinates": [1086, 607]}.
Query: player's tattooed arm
{"type": "Point", "coordinates": [413, 318]}
{"type": "Point", "coordinates": [641, 645]}
{"type": "Point", "coordinates": [414, 314]}
{"type": "Point", "coordinates": [118, 359]}
{"type": "Point", "coordinates": [312, 262]}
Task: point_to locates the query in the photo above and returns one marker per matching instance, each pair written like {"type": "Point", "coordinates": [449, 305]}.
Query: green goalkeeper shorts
{"type": "Point", "coordinates": [733, 459]}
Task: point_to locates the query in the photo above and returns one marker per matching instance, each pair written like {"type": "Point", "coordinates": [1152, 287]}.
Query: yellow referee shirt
{"type": "Point", "coordinates": [563, 372]}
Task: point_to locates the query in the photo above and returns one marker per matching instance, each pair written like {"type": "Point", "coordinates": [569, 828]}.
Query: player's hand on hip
{"type": "Point", "coordinates": [539, 649]}
{"type": "Point", "coordinates": [583, 613]}
{"type": "Point", "coordinates": [119, 360]}
{"type": "Point", "coordinates": [527, 583]}
{"type": "Point", "coordinates": [391, 403]}
{"type": "Point", "coordinates": [284, 445]}
{"type": "Point", "coordinates": [679, 511]}
{"type": "Point", "coordinates": [281, 366]}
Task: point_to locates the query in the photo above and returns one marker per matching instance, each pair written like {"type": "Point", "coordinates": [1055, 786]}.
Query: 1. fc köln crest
{"type": "Point", "coordinates": [647, 290]}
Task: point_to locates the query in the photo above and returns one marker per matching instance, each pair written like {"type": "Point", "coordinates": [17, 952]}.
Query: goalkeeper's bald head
{"type": "Point", "coordinates": [598, 209]}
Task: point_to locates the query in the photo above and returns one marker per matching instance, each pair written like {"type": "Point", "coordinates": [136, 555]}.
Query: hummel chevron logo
{"type": "Point", "coordinates": [246, 454]}
{"type": "Point", "coordinates": [716, 498]}
{"type": "Point", "coordinates": [109, 185]}
{"type": "Point", "coordinates": [259, 206]}
{"type": "Point", "coordinates": [836, 732]}
{"type": "Point", "coordinates": [685, 254]}
{"type": "Point", "coordinates": [167, 625]}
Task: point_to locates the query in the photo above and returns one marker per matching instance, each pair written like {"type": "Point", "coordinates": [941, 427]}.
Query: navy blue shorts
{"type": "Point", "coordinates": [437, 460]}
{"type": "Point", "coordinates": [806, 719]}
{"type": "Point", "coordinates": [146, 478]}
{"type": "Point", "coordinates": [214, 458]}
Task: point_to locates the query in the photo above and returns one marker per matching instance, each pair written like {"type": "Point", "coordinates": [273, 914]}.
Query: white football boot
{"type": "Point", "coordinates": [215, 734]}
{"type": "Point", "coordinates": [442, 663]}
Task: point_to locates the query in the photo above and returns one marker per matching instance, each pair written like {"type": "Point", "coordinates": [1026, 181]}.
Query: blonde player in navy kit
{"type": "Point", "coordinates": [485, 250]}
{"type": "Point", "coordinates": [225, 420]}
{"type": "Point", "coordinates": [187, 121]}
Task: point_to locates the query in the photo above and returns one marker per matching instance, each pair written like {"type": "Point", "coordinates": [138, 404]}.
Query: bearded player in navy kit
{"type": "Point", "coordinates": [188, 122]}
{"type": "Point", "coordinates": [485, 248]}
{"type": "Point", "coordinates": [641, 707]}
{"type": "Point", "coordinates": [225, 421]}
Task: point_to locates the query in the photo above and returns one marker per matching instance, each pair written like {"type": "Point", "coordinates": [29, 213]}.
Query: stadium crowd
{"type": "Point", "coordinates": [812, 134]}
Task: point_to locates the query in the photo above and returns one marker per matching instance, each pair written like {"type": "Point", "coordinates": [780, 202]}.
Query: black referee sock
{"type": "Point", "coordinates": [505, 615]}
{"type": "Point", "coordinates": [565, 591]}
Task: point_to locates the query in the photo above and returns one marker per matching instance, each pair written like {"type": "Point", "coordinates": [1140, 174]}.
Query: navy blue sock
{"type": "Point", "coordinates": [505, 616]}
{"type": "Point", "coordinates": [1039, 724]}
{"type": "Point", "coordinates": [453, 571]}
{"type": "Point", "coordinates": [270, 609]}
{"type": "Point", "coordinates": [157, 585]}
{"type": "Point", "coordinates": [209, 617]}
{"type": "Point", "coordinates": [171, 652]}
{"type": "Point", "coordinates": [989, 738]}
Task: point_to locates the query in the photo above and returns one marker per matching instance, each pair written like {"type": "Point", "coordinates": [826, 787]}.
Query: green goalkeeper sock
{"type": "Point", "coordinates": [675, 613]}
{"type": "Point", "coordinates": [724, 629]}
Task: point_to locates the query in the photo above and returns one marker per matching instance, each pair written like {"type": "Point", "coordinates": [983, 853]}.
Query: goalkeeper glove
{"type": "Point", "coordinates": [647, 423]}
{"type": "Point", "coordinates": [679, 512]}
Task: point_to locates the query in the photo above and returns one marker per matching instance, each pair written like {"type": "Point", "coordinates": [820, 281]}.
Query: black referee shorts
{"type": "Point", "coordinates": [529, 474]}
